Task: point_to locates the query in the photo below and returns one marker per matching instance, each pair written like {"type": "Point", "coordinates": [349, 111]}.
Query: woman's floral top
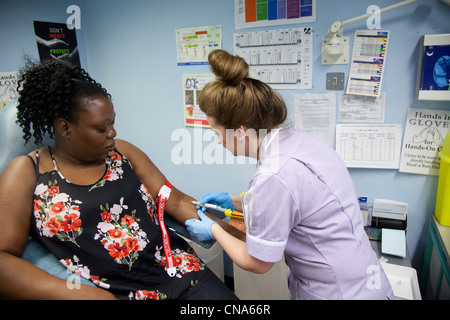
{"type": "Point", "coordinates": [109, 233]}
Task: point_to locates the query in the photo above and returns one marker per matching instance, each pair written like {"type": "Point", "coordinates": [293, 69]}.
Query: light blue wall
{"type": "Point", "coordinates": [129, 46]}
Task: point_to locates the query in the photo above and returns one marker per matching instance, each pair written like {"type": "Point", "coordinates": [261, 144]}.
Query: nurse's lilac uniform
{"type": "Point", "coordinates": [301, 203]}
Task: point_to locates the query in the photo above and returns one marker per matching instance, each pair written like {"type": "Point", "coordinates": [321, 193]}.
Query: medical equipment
{"type": "Point", "coordinates": [163, 196]}
{"type": "Point", "coordinates": [226, 212]}
{"type": "Point", "coordinates": [335, 47]}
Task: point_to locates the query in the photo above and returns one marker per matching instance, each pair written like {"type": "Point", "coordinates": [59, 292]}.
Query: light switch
{"type": "Point", "coordinates": [335, 81]}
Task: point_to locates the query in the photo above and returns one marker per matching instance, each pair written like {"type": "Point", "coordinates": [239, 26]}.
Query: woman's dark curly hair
{"type": "Point", "coordinates": [50, 90]}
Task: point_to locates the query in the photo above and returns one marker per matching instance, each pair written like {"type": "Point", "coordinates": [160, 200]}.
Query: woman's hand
{"type": "Point", "coordinates": [200, 229]}
{"type": "Point", "coordinates": [221, 199]}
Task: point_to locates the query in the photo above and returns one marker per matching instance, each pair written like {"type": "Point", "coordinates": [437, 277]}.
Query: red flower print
{"type": "Point", "coordinates": [107, 175]}
{"type": "Point", "coordinates": [117, 251]}
{"type": "Point", "coordinates": [128, 220]}
{"type": "Point", "coordinates": [53, 191]}
{"type": "Point", "coordinates": [37, 204]}
{"type": "Point", "coordinates": [146, 189]}
{"type": "Point", "coordinates": [119, 233]}
{"type": "Point", "coordinates": [106, 216]}
{"type": "Point", "coordinates": [178, 260]}
{"type": "Point", "coordinates": [57, 212]}
{"type": "Point", "coordinates": [53, 226]}
{"type": "Point", "coordinates": [150, 212]}
{"type": "Point", "coordinates": [132, 244]}
{"type": "Point", "coordinates": [116, 156]}
{"type": "Point", "coordinates": [57, 208]}
{"type": "Point", "coordinates": [149, 295]}
{"type": "Point", "coordinates": [115, 234]}
{"type": "Point", "coordinates": [71, 223]}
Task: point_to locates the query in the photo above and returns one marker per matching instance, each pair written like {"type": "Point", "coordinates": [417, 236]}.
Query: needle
{"type": "Point", "coordinates": [227, 212]}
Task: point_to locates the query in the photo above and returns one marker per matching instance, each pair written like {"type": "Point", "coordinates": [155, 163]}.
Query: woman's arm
{"type": "Point", "coordinates": [20, 279]}
{"type": "Point", "coordinates": [179, 204]}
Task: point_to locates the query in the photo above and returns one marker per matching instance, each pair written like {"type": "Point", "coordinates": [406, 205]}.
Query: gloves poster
{"type": "Point", "coordinates": [424, 137]}
{"type": "Point", "coordinates": [8, 87]}
{"type": "Point", "coordinates": [192, 85]}
{"type": "Point", "coordinates": [55, 40]}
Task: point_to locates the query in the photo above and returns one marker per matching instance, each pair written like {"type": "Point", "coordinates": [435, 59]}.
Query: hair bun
{"type": "Point", "coordinates": [231, 69]}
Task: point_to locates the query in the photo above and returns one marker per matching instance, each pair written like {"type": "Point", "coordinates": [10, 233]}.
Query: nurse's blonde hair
{"type": "Point", "coordinates": [234, 99]}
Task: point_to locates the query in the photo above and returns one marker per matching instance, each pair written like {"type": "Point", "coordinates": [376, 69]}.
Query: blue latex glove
{"type": "Point", "coordinates": [200, 229]}
{"type": "Point", "coordinates": [221, 199]}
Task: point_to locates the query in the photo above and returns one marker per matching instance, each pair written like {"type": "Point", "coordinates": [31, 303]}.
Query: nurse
{"type": "Point", "coordinates": [301, 201]}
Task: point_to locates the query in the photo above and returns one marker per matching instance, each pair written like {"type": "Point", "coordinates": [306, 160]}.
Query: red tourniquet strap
{"type": "Point", "coordinates": [163, 195]}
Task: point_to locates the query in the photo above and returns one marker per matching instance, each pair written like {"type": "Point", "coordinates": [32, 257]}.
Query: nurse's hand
{"type": "Point", "coordinates": [221, 199]}
{"type": "Point", "coordinates": [200, 229]}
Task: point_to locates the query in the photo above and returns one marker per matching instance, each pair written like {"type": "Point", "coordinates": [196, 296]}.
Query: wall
{"type": "Point", "coordinates": [129, 46]}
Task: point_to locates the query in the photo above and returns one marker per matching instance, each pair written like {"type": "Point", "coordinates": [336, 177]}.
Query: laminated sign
{"type": "Point", "coordinates": [56, 41]}
{"type": "Point", "coordinates": [424, 137]}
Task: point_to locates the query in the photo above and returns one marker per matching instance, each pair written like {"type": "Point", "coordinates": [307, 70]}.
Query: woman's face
{"type": "Point", "coordinates": [228, 138]}
{"type": "Point", "coordinates": [221, 134]}
{"type": "Point", "coordinates": [92, 136]}
{"type": "Point", "coordinates": [241, 141]}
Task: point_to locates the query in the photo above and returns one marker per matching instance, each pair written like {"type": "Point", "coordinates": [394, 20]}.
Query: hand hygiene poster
{"type": "Point", "coordinates": [8, 87]}
{"type": "Point", "coordinates": [424, 137]}
{"type": "Point", "coordinates": [55, 40]}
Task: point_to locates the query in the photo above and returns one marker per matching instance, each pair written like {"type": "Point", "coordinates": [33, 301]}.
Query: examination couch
{"type": "Point", "coordinates": [12, 145]}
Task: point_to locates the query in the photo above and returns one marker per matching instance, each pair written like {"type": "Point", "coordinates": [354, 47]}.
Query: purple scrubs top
{"type": "Point", "coordinates": [301, 203]}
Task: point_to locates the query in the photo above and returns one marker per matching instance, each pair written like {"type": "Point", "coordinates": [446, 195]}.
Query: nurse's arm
{"type": "Point", "coordinates": [235, 249]}
{"type": "Point", "coordinates": [237, 202]}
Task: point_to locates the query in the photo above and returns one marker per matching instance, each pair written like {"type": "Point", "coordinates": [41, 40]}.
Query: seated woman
{"type": "Point", "coordinates": [91, 200]}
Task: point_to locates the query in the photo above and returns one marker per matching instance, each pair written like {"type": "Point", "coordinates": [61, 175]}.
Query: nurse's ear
{"type": "Point", "coordinates": [241, 133]}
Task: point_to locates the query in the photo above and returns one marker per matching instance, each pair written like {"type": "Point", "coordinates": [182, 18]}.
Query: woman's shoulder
{"type": "Point", "coordinates": [129, 151]}
{"type": "Point", "coordinates": [19, 170]}
{"type": "Point", "coordinates": [126, 148]}
{"type": "Point", "coordinates": [42, 158]}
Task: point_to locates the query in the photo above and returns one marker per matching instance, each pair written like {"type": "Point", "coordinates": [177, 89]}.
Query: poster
{"type": "Point", "coordinates": [192, 85]}
{"type": "Point", "coordinates": [55, 40]}
{"type": "Point", "coordinates": [8, 87]}
{"type": "Point", "coordinates": [369, 145]}
{"type": "Point", "coordinates": [368, 61]}
{"type": "Point", "coordinates": [263, 13]}
{"type": "Point", "coordinates": [282, 58]}
{"type": "Point", "coordinates": [424, 137]}
{"type": "Point", "coordinates": [194, 44]}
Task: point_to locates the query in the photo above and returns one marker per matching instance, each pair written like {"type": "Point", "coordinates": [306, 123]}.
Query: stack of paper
{"type": "Point", "coordinates": [390, 209]}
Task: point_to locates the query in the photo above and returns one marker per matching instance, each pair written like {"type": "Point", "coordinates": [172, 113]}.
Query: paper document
{"type": "Point", "coordinates": [316, 113]}
{"type": "Point", "coordinates": [368, 61]}
{"type": "Point", "coordinates": [281, 58]}
{"type": "Point", "coordinates": [192, 85]}
{"type": "Point", "coordinates": [194, 44]}
{"type": "Point", "coordinates": [354, 108]}
{"type": "Point", "coordinates": [369, 146]}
